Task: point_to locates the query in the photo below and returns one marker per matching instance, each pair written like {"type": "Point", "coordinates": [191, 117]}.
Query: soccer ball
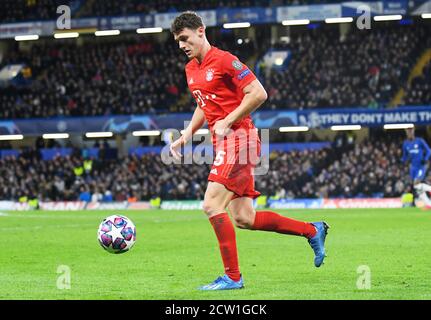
{"type": "Point", "coordinates": [116, 234]}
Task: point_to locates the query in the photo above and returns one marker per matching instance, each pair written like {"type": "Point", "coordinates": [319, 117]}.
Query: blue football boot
{"type": "Point", "coordinates": [223, 283]}
{"type": "Point", "coordinates": [317, 243]}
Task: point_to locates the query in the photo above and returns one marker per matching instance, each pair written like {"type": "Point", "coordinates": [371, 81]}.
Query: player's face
{"type": "Point", "coordinates": [191, 41]}
{"type": "Point", "coordinates": [410, 133]}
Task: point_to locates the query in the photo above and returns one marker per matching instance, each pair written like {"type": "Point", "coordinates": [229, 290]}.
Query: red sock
{"type": "Point", "coordinates": [271, 221]}
{"type": "Point", "coordinates": [225, 233]}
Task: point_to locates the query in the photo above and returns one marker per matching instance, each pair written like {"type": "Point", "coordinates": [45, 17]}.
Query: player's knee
{"type": "Point", "coordinates": [211, 208]}
{"type": "Point", "coordinates": [243, 221]}
{"type": "Point", "coordinates": [207, 208]}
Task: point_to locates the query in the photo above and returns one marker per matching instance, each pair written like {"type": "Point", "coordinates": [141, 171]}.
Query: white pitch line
{"type": "Point", "coordinates": [37, 227]}
{"type": "Point", "coordinates": [45, 216]}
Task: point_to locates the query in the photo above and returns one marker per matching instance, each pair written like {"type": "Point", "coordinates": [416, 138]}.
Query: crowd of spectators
{"type": "Point", "coordinates": [290, 173]}
{"type": "Point", "coordinates": [103, 78]}
{"type": "Point", "coordinates": [69, 179]}
{"type": "Point", "coordinates": [134, 75]}
{"type": "Point", "coordinates": [97, 79]}
{"type": "Point", "coordinates": [370, 169]}
{"type": "Point", "coordinates": [28, 10]}
{"type": "Point", "coordinates": [362, 68]}
{"type": "Point", "coordinates": [419, 92]}
{"type": "Point", "coordinates": [367, 169]}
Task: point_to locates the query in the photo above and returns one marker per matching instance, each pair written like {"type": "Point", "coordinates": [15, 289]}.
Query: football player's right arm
{"type": "Point", "coordinates": [427, 149]}
{"type": "Point", "coordinates": [405, 154]}
{"type": "Point", "coordinates": [196, 123]}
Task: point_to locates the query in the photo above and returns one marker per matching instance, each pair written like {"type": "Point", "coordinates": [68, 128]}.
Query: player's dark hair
{"type": "Point", "coordinates": [187, 19]}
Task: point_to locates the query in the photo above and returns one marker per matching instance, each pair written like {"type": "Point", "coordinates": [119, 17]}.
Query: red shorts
{"type": "Point", "coordinates": [234, 163]}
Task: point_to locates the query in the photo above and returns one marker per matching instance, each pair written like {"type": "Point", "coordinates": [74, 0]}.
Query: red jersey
{"type": "Point", "coordinates": [217, 85]}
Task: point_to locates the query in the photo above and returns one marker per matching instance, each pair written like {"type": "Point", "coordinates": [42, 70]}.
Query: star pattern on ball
{"type": "Point", "coordinates": [115, 232]}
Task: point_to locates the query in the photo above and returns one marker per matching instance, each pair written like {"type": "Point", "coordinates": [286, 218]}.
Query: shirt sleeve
{"type": "Point", "coordinates": [238, 72]}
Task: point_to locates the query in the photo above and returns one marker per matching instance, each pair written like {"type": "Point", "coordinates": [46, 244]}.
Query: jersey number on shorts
{"type": "Point", "coordinates": [219, 158]}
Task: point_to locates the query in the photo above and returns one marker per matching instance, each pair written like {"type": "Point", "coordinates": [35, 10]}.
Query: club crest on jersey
{"type": "Point", "coordinates": [237, 64]}
{"type": "Point", "coordinates": [210, 75]}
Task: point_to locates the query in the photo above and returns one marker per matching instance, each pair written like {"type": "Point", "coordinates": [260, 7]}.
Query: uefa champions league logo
{"type": "Point", "coordinates": [313, 120]}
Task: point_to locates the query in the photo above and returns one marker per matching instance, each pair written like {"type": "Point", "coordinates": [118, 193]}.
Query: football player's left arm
{"type": "Point", "coordinates": [427, 151]}
{"type": "Point", "coordinates": [254, 96]}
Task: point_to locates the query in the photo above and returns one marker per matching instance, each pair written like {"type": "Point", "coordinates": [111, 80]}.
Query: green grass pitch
{"type": "Point", "coordinates": [176, 251]}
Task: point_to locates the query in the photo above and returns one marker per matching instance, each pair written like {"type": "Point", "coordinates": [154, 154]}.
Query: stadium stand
{"type": "Point", "coordinates": [362, 68]}
{"type": "Point", "coordinates": [136, 76]}
{"type": "Point", "coordinates": [368, 169]}
{"type": "Point", "coordinates": [97, 79]}
{"type": "Point", "coordinates": [419, 91]}
{"type": "Point", "coordinates": [329, 67]}
{"type": "Point", "coordinates": [131, 77]}
{"type": "Point", "coordinates": [26, 10]}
